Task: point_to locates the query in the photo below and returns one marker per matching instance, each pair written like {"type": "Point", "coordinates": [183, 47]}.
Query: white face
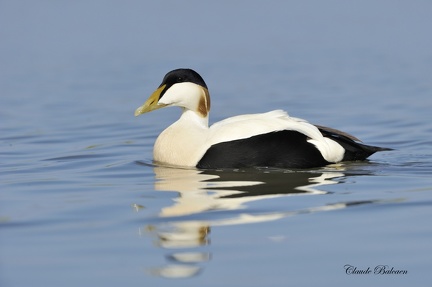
{"type": "Point", "coordinates": [186, 95]}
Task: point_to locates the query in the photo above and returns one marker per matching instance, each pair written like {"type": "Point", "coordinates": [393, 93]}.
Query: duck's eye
{"type": "Point", "coordinates": [179, 79]}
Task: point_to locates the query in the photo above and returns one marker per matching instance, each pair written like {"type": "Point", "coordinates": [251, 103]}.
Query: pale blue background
{"type": "Point", "coordinates": [73, 72]}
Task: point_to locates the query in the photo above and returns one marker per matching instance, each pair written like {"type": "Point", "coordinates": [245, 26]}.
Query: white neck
{"type": "Point", "coordinates": [190, 118]}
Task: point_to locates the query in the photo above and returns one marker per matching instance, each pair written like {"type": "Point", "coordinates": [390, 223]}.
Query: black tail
{"type": "Point", "coordinates": [353, 150]}
{"type": "Point", "coordinates": [358, 151]}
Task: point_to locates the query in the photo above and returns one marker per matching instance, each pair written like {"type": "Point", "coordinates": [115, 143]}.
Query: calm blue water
{"type": "Point", "coordinates": [82, 204]}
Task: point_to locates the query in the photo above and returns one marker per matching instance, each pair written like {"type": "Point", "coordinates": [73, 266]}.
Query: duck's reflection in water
{"type": "Point", "coordinates": [214, 198]}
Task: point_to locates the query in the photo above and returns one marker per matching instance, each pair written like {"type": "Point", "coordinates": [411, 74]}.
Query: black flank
{"type": "Point", "coordinates": [283, 149]}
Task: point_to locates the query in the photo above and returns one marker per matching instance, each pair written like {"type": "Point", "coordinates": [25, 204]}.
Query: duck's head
{"type": "Point", "coordinates": [183, 88]}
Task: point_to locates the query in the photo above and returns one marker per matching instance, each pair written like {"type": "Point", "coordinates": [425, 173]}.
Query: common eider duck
{"type": "Point", "coordinates": [271, 139]}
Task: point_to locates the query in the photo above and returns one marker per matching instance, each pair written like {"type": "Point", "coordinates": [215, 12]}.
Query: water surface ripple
{"type": "Point", "coordinates": [83, 204]}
